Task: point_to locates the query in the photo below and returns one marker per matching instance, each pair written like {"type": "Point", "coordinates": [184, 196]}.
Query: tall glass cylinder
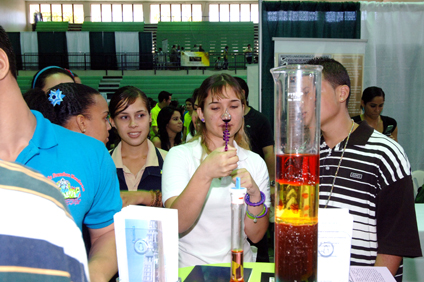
{"type": "Point", "coordinates": [297, 134]}
{"type": "Point", "coordinates": [238, 214]}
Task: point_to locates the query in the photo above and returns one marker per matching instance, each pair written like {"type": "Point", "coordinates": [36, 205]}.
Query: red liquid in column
{"type": "Point", "coordinates": [296, 218]}
{"type": "Point", "coordinates": [237, 266]}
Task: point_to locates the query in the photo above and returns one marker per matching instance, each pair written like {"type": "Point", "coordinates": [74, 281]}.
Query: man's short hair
{"type": "Point", "coordinates": [7, 48]}
{"type": "Point", "coordinates": [333, 71]}
{"type": "Point", "coordinates": [243, 86]}
{"type": "Point", "coordinates": [163, 95]}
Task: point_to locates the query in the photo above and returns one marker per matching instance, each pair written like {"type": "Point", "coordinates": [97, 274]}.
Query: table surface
{"type": "Point", "coordinates": [413, 269]}
{"type": "Point", "coordinates": [257, 269]}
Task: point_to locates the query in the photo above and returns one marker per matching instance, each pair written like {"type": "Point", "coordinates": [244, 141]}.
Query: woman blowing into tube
{"type": "Point", "coordinates": [197, 177]}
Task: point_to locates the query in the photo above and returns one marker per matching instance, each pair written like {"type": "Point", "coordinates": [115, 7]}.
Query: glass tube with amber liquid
{"type": "Point", "coordinates": [297, 134]}
{"type": "Point", "coordinates": [237, 231]}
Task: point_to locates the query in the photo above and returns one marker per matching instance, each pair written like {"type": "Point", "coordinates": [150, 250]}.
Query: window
{"type": "Point", "coordinates": [175, 13]}
{"type": "Point", "coordinates": [234, 13]}
{"type": "Point", "coordinates": [165, 13]}
{"type": "Point", "coordinates": [154, 13]}
{"type": "Point", "coordinates": [106, 12]}
{"type": "Point", "coordinates": [138, 12]}
{"type": "Point", "coordinates": [214, 13]}
{"type": "Point", "coordinates": [127, 12]}
{"type": "Point", "coordinates": [46, 12]}
{"type": "Point", "coordinates": [56, 12]}
{"type": "Point", "coordinates": [117, 13]}
{"type": "Point", "coordinates": [72, 13]}
{"type": "Point", "coordinates": [196, 12]}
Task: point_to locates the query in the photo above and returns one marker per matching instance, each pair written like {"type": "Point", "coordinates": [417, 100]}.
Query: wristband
{"type": "Point", "coordinates": [153, 197]}
{"type": "Point", "coordinates": [255, 217]}
{"type": "Point", "coordinates": [158, 202]}
{"type": "Point", "coordinates": [249, 203]}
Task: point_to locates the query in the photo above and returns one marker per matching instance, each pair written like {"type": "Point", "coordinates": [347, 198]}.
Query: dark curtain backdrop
{"type": "Point", "coordinates": [302, 19]}
{"type": "Point", "coordinates": [15, 39]}
{"type": "Point", "coordinates": [145, 50]}
{"type": "Point", "coordinates": [52, 49]}
{"type": "Point", "coordinates": [103, 51]}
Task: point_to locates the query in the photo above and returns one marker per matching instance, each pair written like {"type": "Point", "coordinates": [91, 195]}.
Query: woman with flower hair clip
{"type": "Point", "coordinates": [197, 177]}
{"type": "Point", "coordinates": [74, 106]}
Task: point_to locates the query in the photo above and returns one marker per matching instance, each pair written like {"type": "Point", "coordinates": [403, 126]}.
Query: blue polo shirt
{"type": "Point", "coordinates": [82, 169]}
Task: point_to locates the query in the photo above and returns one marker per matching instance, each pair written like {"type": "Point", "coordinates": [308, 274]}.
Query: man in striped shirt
{"type": "Point", "coordinates": [39, 240]}
{"type": "Point", "coordinates": [368, 173]}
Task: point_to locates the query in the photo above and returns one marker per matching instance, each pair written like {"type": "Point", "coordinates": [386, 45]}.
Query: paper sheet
{"type": "Point", "coordinates": [370, 274]}
{"type": "Point", "coordinates": [334, 241]}
{"type": "Point", "coordinates": [147, 244]}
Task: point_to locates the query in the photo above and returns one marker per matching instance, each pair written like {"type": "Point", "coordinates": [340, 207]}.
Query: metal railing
{"type": "Point", "coordinates": [126, 61]}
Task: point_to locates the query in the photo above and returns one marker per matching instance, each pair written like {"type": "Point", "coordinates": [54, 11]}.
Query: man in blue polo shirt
{"type": "Point", "coordinates": [79, 165]}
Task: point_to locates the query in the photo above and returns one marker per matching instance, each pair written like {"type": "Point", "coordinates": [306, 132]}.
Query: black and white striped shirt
{"type": "Point", "coordinates": [374, 183]}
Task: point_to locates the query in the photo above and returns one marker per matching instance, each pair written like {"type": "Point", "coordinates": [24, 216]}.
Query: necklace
{"type": "Point", "coordinates": [340, 162]}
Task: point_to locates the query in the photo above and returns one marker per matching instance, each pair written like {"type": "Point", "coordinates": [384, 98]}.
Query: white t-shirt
{"type": "Point", "coordinates": [209, 239]}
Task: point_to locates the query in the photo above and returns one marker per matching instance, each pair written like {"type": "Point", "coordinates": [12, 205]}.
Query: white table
{"type": "Point", "coordinates": [413, 269]}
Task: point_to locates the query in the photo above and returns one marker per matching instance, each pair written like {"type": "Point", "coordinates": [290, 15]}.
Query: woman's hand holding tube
{"type": "Point", "coordinates": [220, 163]}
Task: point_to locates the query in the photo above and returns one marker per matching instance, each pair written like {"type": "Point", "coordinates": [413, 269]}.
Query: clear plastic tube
{"type": "Point", "coordinates": [237, 231]}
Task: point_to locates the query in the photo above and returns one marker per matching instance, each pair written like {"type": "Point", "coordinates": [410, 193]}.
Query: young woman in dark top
{"type": "Point", "coordinates": [372, 104]}
{"type": "Point", "coordinates": [170, 127]}
{"type": "Point", "coordinates": [138, 162]}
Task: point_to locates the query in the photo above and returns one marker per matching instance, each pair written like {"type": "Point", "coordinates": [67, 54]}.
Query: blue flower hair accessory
{"type": "Point", "coordinates": [55, 97]}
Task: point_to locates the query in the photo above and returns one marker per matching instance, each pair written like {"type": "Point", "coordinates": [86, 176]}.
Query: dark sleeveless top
{"type": "Point", "coordinates": [389, 124]}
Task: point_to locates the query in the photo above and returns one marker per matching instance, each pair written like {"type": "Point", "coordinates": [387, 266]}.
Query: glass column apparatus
{"type": "Point", "coordinates": [297, 133]}
{"type": "Point", "coordinates": [237, 231]}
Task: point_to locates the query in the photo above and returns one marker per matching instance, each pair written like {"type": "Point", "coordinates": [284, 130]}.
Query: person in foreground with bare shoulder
{"type": "Point", "coordinates": [80, 166]}
{"type": "Point", "coordinates": [198, 175]}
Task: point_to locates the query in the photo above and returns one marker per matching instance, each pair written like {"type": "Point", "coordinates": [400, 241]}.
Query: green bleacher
{"type": "Point", "coordinates": [24, 83]}
{"type": "Point", "coordinates": [92, 81]}
{"type": "Point", "coordinates": [52, 26]}
{"type": "Point", "coordinates": [181, 87]}
{"type": "Point", "coordinates": [113, 26]}
{"type": "Point", "coordinates": [213, 36]}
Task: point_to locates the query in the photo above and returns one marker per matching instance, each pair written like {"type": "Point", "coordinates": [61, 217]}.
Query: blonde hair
{"type": "Point", "coordinates": [215, 85]}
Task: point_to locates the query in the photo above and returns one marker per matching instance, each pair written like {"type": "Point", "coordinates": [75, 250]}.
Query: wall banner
{"type": "Point", "coordinates": [196, 59]}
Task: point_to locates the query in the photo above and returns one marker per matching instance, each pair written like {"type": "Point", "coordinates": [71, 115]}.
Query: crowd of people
{"type": "Point", "coordinates": [165, 157]}
{"type": "Point", "coordinates": [172, 59]}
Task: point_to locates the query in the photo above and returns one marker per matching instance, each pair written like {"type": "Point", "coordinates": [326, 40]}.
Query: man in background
{"type": "Point", "coordinates": [164, 99]}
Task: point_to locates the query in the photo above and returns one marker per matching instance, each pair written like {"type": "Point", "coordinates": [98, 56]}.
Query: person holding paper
{"type": "Point", "coordinates": [80, 166]}
{"type": "Point", "coordinates": [369, 174]}
{"type": "Point", "coordinates": [197, 177]}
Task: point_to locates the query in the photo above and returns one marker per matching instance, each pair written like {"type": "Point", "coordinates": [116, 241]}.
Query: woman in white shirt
{"type": "Point", "coordinates": [197, 177]}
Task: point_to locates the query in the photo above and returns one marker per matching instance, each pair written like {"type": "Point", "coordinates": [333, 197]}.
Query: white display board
{"type": "Point", "coordinates": [349, 52]}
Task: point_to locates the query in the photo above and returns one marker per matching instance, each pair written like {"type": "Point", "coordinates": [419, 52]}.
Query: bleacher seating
{"type": "Point", "coordinates": [24, 83]}
{"type": "Point", "coordinates": [213, 36]}
{"type": "Point", "coordinates": [92, 81]}
{"type": "Point", "coordinates": [113, 26]}
{"type": "Point", "coordinates": [52, 26]}
{"type": "Point", "coordinates": [180, 86]}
